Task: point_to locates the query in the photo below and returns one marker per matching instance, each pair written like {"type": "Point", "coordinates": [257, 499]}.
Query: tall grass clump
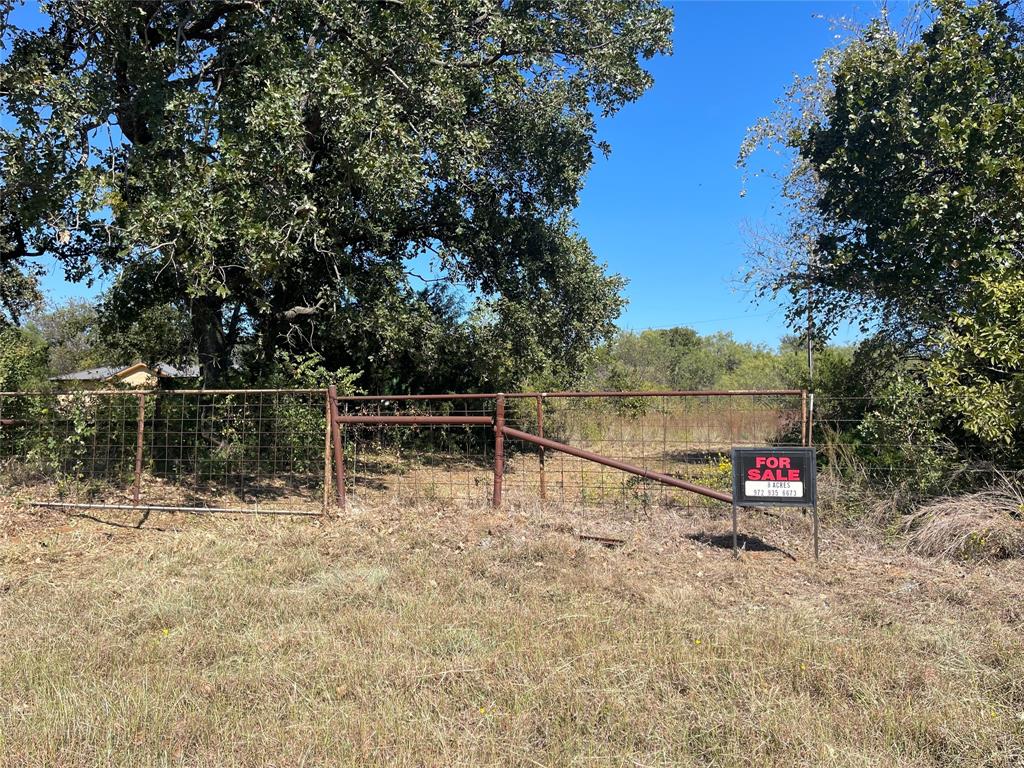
{"type": "Point", "coordinates": [983, 525]}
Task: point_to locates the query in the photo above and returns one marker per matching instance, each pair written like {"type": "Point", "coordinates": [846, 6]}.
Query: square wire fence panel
{"type": "Point", "coordinates": [248, 450]}
{"type": "Point", "coordinates": [68, 439]}
{"type": "Point", "coordinates": [418, 462]}
{"type": "Point", "coordinates": [863, 439]}
{"type": "Point", "coordinates": [255, 449]}
{"type": "Point", "coordinates": [271, 450]}
{"type": "Point", "coordinates": [685, 436]}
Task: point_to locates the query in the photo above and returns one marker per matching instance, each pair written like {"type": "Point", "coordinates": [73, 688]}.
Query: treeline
{"type": "Point", "coordinates": [682, 359]}
{"type": "Point", "coordinates": [432, 353]}
{"type": "Point", "coordinates": [429, 340]}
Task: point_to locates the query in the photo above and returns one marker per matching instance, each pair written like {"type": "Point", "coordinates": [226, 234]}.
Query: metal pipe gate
{"type": "Point", "coordinates": [501, 430]}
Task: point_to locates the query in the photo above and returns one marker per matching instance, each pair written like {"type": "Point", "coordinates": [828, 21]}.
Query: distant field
{"type": "Point", "coordinates": [442, 636]}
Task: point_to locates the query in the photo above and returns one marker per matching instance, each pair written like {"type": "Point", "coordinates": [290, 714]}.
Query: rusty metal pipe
{"type": "Point", "coordinates": [571, 394]}
{"type": "Point", "coordinates": [615, 464]}
{"type": "Point", "coordinates": [540, 432]}
{"type": "Point", "coordinates": [666, 393]}
{"type": "Point", "coordinates": [803, 417]}
{"type": "Point", "coordinates": [133, 392]}
{"type": "Point", "coordinates": [449, 396]}
{"type": "Point", "coordinates": [450, 421]}
{"type": "Point", "coordinates": [339, 453]}
{"type": "Point", "coordinates": [499, 450]}
{"type": "Point", "coordinates": [159, 508]}
{"type": "Point", "coordinates": [327, 453]}
{"type": "Point", "coordinates": [140, 427]}
{"type": "Point", "coordinates": [810, 419]}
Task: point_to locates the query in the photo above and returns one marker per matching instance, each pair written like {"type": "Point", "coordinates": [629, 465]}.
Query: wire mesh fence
{"type": "Point", "coordinates": [271, 450]}
{"type": "Point", "coordinates": [259, 450]}
{"type": "Point", "coordinates": [418, 462]}
{"type": "Point", "coordinates": [860, 437]}
{"type": "Point", "coordinates": [684, 435]}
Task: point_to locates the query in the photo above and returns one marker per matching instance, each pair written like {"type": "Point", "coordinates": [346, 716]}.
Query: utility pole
{"type": "Point", "coordinates": [810, 338]}
{"type": "Point", "coordinates": [810, 313]}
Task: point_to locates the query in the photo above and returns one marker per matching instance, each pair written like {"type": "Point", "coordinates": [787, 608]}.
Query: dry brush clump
{"type": "Point", "coordinates": [963, 523]}
{"type": "Point", "coordinates": [974, 526]}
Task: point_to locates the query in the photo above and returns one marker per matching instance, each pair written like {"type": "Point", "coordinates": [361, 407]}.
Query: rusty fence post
{"type": "Point", "coordinates": [803, 418]}
{"type": "Point", "coordinates": [339, 453]}
{"type": "Point", "coordinates": [499, 449]}
{"type": "Point", "coordinates": [810, 419]}
{"type": "Point", "coordinates": [140, 427]}
{"type": "Point", "coordinates": [327, 453]}
{"type": "Point", "coordinates": [540, 433]}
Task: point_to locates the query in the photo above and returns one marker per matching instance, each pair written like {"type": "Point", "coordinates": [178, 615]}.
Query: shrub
{"type": "Point", "coordinates": [975, 526]}
{"type": "Point", "coordinates": [904, 442]}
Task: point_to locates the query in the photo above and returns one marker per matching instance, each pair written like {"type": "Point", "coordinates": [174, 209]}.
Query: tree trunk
{"type": "Point", "coordinates": [213, 344]}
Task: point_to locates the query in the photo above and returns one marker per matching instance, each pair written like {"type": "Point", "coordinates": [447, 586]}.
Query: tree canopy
{"type": "Point", "coordinates": [905, 198]}
{"type": "Point", "coordinates": [297, 173]}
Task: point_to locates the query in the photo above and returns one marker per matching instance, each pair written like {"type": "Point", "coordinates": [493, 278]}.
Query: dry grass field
{"type": "Point", "coordinates": [440, 635]}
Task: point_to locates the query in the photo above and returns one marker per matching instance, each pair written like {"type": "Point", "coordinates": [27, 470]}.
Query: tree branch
{"type": "Point", "coordinates": [301, 311]}
{"type": "Point", "coordinates": [503, 52]}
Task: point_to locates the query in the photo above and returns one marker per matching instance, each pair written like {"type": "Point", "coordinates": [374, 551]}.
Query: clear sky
{"type": "Point", "coordinates": [665, 209]}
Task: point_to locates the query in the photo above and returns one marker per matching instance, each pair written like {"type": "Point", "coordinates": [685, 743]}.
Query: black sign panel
{"type": "Point", "coordinates": [774, 477]}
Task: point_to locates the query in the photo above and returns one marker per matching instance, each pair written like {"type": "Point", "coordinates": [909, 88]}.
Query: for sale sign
{"type": "Point", "coordinates": [774, 477]}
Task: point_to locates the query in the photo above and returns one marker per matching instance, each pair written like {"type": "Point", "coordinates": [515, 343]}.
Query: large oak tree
{"type": "Point", "coordinates": [906, 203]}
{"type": "Point", "coordinates": [278, 168]}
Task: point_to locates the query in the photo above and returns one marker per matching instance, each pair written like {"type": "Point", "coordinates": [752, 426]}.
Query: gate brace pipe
{"type": "Point", "coordinates": [598, 459]}
{"type": "Point", "coordinates": [447, 421]}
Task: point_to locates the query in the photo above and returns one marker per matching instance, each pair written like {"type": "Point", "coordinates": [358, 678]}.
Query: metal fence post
{"type": "Point", "coordinates": [499, 449]}
{"type": "Point", "coordinates": [140, 427]}
{"type": "Point", "coordinates": [540, 433]}
{"type": "Point", "coordinates": [339, 453]}
{"type": "Point", "coordinates": [803, 417]}
{"type": "Point", "coordinates": [814, 511]}
{"type": "Point", "coordinates": [810, 419]}
{"type": "Point", "coordinates": [327, 453]}
{"type": "Point", "coordinates": [735, 529]}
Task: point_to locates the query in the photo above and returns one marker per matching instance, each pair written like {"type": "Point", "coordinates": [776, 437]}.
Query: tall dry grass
{"type": "Point", "coordinates": [981, 525]}
{"type": "Point", "coordinates": [440, 637]}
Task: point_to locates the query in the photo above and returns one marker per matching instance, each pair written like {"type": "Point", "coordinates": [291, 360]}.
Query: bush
{"type": "Point", "coordinates": [904, 441]}
{"type": "Point", "coordinates": [977, 526]}
{"type": "Point", "coordinates": [23, 360]}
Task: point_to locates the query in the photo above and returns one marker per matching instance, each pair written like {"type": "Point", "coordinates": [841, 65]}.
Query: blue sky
{"type": "Point", "coordinates": [665, 209]}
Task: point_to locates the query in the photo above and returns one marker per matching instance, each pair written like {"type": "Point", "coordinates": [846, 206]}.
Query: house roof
{"type": "Point", "coordinates": [163, 370]}
{"type": "Point", "coordinates": [175, 371]}
{"type": "Point", "coordinates": [89, 374]}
